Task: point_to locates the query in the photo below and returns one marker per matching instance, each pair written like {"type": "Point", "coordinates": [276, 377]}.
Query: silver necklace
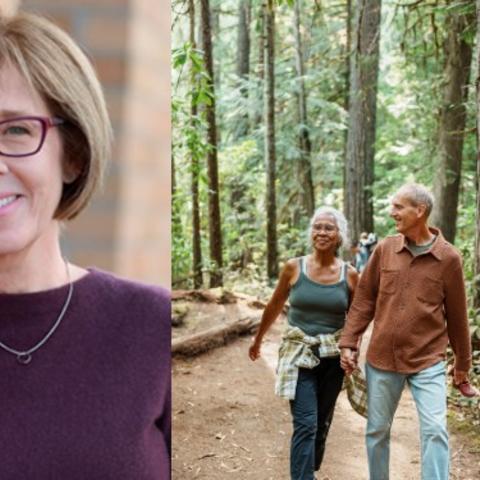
{"type": "Point", "coordinates": [24, 357]}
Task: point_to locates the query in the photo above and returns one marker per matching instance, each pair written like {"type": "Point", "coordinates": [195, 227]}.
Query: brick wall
{"type": "Point", "coordinates": [126, 229]}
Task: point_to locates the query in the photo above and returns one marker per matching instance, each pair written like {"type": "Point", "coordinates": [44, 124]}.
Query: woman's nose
{"type": "Point", "coordinates": [3, 164]}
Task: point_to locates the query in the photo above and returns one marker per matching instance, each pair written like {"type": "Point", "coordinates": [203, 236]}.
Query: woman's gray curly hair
{"type": "Point", "coordinates": [341, 222]}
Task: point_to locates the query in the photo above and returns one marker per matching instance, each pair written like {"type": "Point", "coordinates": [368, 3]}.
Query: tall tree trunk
{"type": "Point", "coordinates": [304, 166]}
{"type": "Point", "coordinates": [214, 227]}
{"type": "Point", "coordinates": [346, 101]}
{"type": "Point", "coordinates": [362, 117]}
{"type": "Point", "coordinates": [237, 199]}
{"type": "Point", "coordinates": [195, 167]}
{"type": "Point", "coordinates": [476, 298]}
{"type": "Point", "coordinates": [215, 35]}
{"type": "Point", "coordinates": [243, 61]}
{"type": "Point", "coordinates": [269, 103]}
{"type": "Point", "coordinates": [215, 25]}
{"type": "Point", "coordinates": [257, 117]}
{"type": "Point", "coordinates": [458, 53]}
{"type": "Point", "coordinates": [173, 177]}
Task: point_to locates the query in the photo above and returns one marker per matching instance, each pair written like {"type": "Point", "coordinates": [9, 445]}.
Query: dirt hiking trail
{"type": "Point", "coordinates": [228, 424]}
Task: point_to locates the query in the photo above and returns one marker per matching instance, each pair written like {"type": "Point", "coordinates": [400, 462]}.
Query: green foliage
{"type": "Point", "coordinates": [184, 56]}
{"type": "Point", "coordinates": [408, 108]}
{"type": "Point", "coordinates": [409, 102]}
{"type": "Point", "coordinates": [189, 147]}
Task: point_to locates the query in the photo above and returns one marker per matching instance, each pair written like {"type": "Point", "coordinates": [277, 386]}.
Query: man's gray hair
{"type": "Point", "coordinates": [418, 195]}
{"type": "Point", "coordinates": [340, 220]}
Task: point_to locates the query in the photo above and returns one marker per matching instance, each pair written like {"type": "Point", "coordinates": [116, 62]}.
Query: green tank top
{"type": "Point", "coordinates": [315, 307]}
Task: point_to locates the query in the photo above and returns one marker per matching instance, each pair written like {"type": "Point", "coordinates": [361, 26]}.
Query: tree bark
{"type": "Point", "coordinates": [346, 101]}
{"type": "Point", "coordinates": [362, 117]}
{"type": "Point", "coordinates": [215, 35]}
{"type": "Point", "coordinates": [269, 105]}
{"type": "Point", "coordinates": [173, 177]}
{"type": "Point", "coordinates": [215, 337]}
{"type": "Point", "coordinates": [243, 61]}
{"type": "Point", "coordinates": [304, 165]}
{"type": "Point", "coordinates": [215, 232]}
{"type": "Point", "coordinates": [476, 298]}
{"type": "Point", "coordinates": [256, 118]}
{"type": "Point", "coordinates": [238, 189]}
{"type": "Point", "coordinates": [195, 171]}
{"type": "Point", "coordinates": [458, 53]}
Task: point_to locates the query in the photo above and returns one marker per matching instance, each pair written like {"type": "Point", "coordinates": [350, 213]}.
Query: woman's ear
{"type": "Point", "coordinates": [70, 172]}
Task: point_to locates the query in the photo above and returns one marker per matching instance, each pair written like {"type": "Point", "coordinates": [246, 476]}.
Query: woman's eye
{"type": "Point", "coordinates": [16, 130]}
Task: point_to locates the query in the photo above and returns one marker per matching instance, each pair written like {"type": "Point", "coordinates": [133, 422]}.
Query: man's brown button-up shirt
{"type": "Point", "coordinates": [418, 305]}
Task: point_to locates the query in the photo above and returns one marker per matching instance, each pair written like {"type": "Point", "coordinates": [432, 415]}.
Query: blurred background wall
{"type": "Point", "coordinates": [126, 228]}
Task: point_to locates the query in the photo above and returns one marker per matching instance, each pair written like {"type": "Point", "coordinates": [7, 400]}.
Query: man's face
{"type": "Point", "coordinates": [406, 215]}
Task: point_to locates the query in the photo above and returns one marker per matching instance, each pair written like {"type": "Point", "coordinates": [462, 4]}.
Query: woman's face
{"type": "Point", "coordinates": [325, 235]}
{"type": "Point", "coordinates": [31, 186]}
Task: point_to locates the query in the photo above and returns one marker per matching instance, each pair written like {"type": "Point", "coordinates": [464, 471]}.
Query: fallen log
{"type": "Point", "coordinates": [219, 296]}
{"type": "Point", "coordinates": [197, 343]}
{"type": "Point", "coordinates": [212, 295]}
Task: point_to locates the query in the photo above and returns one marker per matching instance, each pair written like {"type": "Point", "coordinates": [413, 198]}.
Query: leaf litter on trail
{"type": "Point", "coordinates": [242, 447]}
{"type": "Point", "coordinates": [229, 469]}
{"type": "Point", "coordinates": [207, 455]}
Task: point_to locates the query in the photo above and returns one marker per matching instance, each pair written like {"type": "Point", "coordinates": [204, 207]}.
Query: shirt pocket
{"type": "Point", "coordinates": [388, 281]}
{"type": "Point", "coordinates": [430, 290]}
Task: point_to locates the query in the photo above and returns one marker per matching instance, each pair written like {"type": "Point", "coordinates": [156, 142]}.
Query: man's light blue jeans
{"type": "Point", "coordinates": [428, 389]}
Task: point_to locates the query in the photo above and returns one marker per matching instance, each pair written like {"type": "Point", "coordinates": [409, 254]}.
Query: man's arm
{"type": "Point", "coordinates": [457, 320]}
{"type": "Point", "coordinates": [362, 310]}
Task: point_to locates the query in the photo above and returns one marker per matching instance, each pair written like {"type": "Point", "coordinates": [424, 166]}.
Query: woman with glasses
{"type": "Point", "coordinates": [319, 288]}
{"type": "Point", "coordinates": [84, 355]}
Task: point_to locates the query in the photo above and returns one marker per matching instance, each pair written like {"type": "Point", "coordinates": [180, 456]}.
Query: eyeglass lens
{"type": "Point", "coordinates": [20, 137]}
{"type": "Point", "coordinates": [326, 228]}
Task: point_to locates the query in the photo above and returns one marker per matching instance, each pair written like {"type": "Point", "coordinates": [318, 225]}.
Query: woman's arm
{"type": "Point", "coordinates": [352, 281]}
{"type": "Point", "coordinates": [275, 305]}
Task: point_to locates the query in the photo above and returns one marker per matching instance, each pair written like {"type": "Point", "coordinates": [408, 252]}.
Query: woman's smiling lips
{"type": "Point", "coordinates": [7, 202]}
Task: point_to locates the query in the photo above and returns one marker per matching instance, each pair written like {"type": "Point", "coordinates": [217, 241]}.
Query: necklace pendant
{"type": "Point", "coordinates": [24, 358]}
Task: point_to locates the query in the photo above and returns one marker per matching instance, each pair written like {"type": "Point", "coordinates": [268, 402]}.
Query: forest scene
{"type": "Point", "coordinates": [280, 107]}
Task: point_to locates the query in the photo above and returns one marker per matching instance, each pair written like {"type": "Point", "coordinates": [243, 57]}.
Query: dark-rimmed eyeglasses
{"type": "Point", "coordinates": [24, 136]}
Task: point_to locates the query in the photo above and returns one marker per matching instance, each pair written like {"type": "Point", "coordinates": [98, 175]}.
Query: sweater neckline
{"type": "Point", "coordinates": [51, 293]}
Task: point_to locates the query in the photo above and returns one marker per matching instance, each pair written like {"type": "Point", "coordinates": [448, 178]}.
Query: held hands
{"type": "Point", "coordinates": [254, 350]}
{"type": "Point", "coordinates": [348, 360]}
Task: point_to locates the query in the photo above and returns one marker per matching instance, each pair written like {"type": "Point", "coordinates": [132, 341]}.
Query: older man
{"type": "Point", "coordinates": [414, 290]}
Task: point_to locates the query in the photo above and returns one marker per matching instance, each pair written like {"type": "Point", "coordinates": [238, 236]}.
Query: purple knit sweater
{"type": "Point", "coordinates": [94, 403]}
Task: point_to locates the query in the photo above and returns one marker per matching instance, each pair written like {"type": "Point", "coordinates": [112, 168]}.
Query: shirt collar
{"type": "Point", "coordinates": [435, 249]}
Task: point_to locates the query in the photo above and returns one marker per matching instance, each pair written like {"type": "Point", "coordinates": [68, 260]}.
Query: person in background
{"type": "Point", "coordinates": [84, 355]}
{"type": "Point", "coordinates": [414, 289]}
{"type": "Point", "coordinates": [365, 247]}
{"type": "Point", "coordinates": [361, 256]}
{"type": "Point", "coordinates": [319, 287]}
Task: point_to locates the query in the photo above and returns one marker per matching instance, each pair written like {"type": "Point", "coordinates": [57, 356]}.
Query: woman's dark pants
{"type": "Point", "coordinates": [312, 411]}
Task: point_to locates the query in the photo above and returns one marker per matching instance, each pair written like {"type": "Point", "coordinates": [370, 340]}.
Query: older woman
{"type": "Point", "coordinates": [84, 356]}
{"type": "Point", "coordinates": [319, 288]}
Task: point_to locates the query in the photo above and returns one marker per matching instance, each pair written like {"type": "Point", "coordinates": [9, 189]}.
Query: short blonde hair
{"type": "Point", "coordinates": [55, 66]}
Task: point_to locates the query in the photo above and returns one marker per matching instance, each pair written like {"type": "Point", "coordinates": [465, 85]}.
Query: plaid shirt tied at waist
{"type": "Point", "coordinates": [296, 352]}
